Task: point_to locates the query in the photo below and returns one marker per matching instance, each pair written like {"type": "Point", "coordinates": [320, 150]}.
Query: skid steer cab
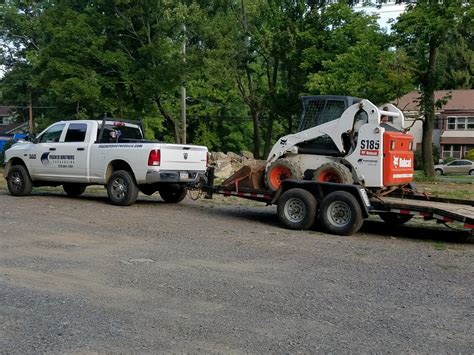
{"type": "Point", "coordinates": [345, 140]}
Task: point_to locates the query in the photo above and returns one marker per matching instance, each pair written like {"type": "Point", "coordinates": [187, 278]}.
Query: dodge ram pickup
{"type": "Point", "coordinates": [79, 153]}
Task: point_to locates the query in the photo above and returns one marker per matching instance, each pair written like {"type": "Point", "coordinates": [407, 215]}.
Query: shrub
{"type": "Point", "coordinates": [419, 160]}
{"type": "Point", "coordinates": [470, 154]}
{"type": "Point", "coordinates": [2, 153]}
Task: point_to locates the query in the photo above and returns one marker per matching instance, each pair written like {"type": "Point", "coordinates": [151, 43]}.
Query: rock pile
{"type": "Point", "coordinates": [227, 164]}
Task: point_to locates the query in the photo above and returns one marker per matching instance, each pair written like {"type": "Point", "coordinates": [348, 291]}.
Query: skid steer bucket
{"type": "Point", "coordinates": [247, 177]}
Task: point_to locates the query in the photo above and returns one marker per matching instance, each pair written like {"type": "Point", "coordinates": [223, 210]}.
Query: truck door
{"type": "Point", "coordinates": [73, 152]}
{"type": "Point", "coordinates": [39, 159]}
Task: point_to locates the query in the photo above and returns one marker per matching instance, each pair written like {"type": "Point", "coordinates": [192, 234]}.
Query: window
{"type": "Point", "coordinates": [470, 123]}
{"type": "Point", "coordinates": [451, 122]}
{"type": "Point", "coordinates": [461, 125]}
{"type": "Point", "coordinates": [319, 111]}
{"type": "Point", "coordinates": [52, 135]}
{"type": "Point", "coordinates": [76, 132]}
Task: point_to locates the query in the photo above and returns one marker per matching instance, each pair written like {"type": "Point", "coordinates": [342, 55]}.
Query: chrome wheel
{"type": "Point", "coordinates": [295, 210]}
{"type": "Point", "coordinates": [16, 181]}
{"type": "Point", "coordinates": [339, 213]}
{"type": "Point", "coordinates": [119, 188]}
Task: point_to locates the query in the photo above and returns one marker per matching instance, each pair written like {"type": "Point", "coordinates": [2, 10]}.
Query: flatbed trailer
{"type": "Point", "coordinates": [341, 209]}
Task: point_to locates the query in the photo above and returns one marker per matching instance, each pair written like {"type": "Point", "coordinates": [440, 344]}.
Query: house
{"type": "Point", "coordinates": [453, 132]}
{"type": "Point", "coordinates": [8, 126]}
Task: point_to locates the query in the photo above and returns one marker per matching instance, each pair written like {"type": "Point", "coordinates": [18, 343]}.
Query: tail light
{"type": "Point", "coordinates": [154, 157]}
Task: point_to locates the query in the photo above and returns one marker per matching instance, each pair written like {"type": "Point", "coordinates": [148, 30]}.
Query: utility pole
{"type": "Point", "coordinates": [183, 88]}
{"type": "Point", "coordinates": [31, 126]}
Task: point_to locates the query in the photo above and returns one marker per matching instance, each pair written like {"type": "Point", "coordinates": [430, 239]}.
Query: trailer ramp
{"type": "Point", "coordinates": [445, 212]}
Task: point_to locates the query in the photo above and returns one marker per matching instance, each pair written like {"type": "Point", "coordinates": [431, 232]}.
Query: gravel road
{"type": "Point", "coordinates": [80, 276]}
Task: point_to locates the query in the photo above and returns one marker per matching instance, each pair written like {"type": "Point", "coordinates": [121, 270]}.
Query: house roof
{"type": "Point", "coordinates": [460, 100]}
{"type": "Point", "coordinates": [5, 110]}
{"type": "Point", "coordinates": [12, 127]}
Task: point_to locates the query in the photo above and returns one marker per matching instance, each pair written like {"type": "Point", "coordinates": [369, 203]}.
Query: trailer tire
{"type": "Point", "coordinates": [333, 172]}
{"type": "Point", "coordinates": [19, 181]}
{"type": "Point", "coordinates": [173, 194]}
{"type": "Point", "coordinates": [279, 170]}
{"type": "Point", "coordinates": [122, 188]}
{"type": "Point", "coordinates": [297, 209]}
{"type": "Point", "coordinates": [340, 213]}
{"type": "Point", "coordinates": [395, 219]}
{"type": "Point", "coordinates": [74, 190]}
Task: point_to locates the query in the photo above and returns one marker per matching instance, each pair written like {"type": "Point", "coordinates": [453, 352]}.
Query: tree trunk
{"type": "Point", "coordinates": [428, 101]}
{"type": "Point", "coordinates": [170, 120]}
{"type": "Point", "coordinates": [268, 135]}
{"type": "Point", "coordinates": [256, 133]}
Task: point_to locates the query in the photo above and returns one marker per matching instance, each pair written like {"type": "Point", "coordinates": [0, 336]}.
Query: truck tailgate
{"type": "Point", "coordinates": [183, 157]}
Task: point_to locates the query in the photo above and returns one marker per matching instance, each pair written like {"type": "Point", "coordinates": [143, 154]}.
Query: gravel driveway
{"type": "Point", "coordinates": [79, 276]}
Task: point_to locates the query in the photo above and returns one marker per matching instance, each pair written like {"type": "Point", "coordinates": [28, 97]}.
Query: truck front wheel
{"type": "Point", "coordinates": [173, 193]}
{"type": "Point", "coordinates": [122, 189]}
{"type": "Point", "coordinates": [19, 181]}
{"type": "Point", "coordinates": [340, 213]}
{"type": "Point", "coordinates": [297, 209]}
{"type": "Point", "coordinates": [74, 190]}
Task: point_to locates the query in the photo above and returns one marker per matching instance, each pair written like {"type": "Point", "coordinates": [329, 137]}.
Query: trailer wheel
{"type": "Point", "coordinates": [173, 193]}
{"type": "Point", "coordinates": [19, 181]}
{"type": "Point", "coordinates": [279, 170]}
{"type": "Point", "coordinates": [333, 172]}
{"type": "Point", "coordinates": [340, 213]}
{"type": "Point", "coordinates": [74, 190]}
{"type": "Point", "coordinates": [122, 189]}
{"type": "Point", "coordinates": [297, 209]}
{"type": "Point", "coordinates": [395, 218]}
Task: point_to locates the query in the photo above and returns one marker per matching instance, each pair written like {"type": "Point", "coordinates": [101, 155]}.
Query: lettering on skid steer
{"type": "Point", "coordinates": [283, 141]}
{"type": "Point", "coordinates": [399, 162]}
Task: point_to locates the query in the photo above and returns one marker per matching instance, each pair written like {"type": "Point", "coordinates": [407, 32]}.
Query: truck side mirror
{"type": "Point", "coordinates": [32, 138]}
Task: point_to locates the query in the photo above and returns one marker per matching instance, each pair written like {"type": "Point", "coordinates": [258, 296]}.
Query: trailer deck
{"type": "Point", "coordinates": [441, 210]}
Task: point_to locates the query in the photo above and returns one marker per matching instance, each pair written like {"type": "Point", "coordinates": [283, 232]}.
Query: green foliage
{"type": "Point", "coordinates": [470, 155]}
{"type": "Point", "coordinates": [246, 63]}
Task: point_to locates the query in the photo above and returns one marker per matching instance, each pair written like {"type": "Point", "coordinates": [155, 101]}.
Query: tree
{"type": "Point", "coordinates": [422, 30]}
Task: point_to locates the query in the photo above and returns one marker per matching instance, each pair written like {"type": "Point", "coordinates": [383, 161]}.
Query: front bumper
{"type": "Point", "coordinates": [176, 176]}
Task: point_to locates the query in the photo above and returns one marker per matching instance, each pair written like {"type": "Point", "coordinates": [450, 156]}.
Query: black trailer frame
{"type": "Point", "coordinates": [392, 208]}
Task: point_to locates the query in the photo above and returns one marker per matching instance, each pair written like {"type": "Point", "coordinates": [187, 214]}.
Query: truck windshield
{"type": "Point", "coordinates": [116, 134]}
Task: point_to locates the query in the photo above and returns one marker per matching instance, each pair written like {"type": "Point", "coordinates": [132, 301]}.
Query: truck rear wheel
{"type": "Point", "coordinates": [297, 209]}
{"type": "Point", "coordinates": [340, 213]}
{"type": "Point", "coordinates": [74, 190]}
{"type": "Point", "coordinates": [122, 189]}
{"type": "Point", "coordinates": [279, 170]}
{"type": "Point", "coordinates": [19, 181]}
{"type": "Point", "coordinates": [333, 172]}
{"type": "Point", "coordinates": [173, 193]}
{"type": "Point", "coordinates": [395, 218]}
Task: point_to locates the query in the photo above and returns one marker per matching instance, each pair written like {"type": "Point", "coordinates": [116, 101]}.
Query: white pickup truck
{"type": "Point", "coordinates": [79, 153]}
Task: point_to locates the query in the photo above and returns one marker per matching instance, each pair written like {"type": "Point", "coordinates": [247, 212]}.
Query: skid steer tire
{"type": "Point", "coordinates": [333, 172]}
{"type": "Point", "coordinates": [395, 219]}
{"type": "Point", "coordinates": [340, 213]}
{"type": "Point", "coordinates": [282, 169]}
{"type": "Point", "coordinates": [297, 209]}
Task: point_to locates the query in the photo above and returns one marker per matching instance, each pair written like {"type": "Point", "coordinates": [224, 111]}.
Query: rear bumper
{"type": "Point", "coordinates": [177, 176]}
